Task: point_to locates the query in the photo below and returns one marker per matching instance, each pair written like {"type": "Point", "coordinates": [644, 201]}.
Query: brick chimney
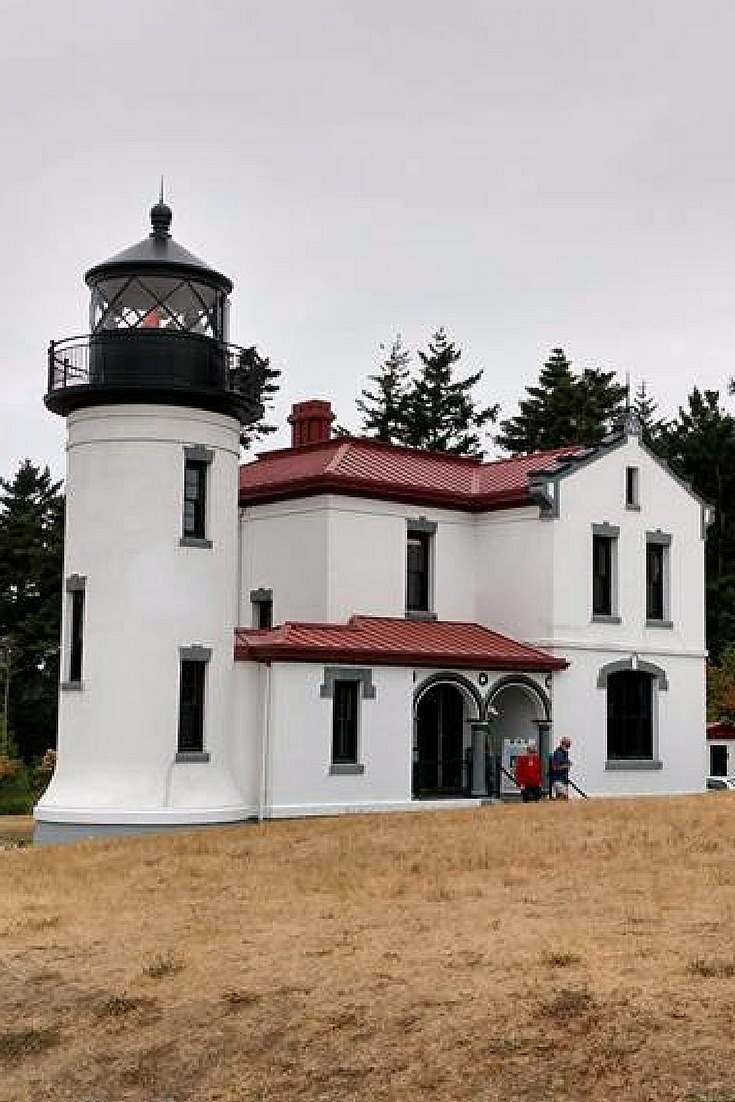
{"type": "Point", "coordinates": [311, 422]}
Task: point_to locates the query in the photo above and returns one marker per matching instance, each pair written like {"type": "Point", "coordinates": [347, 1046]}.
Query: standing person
{"type": "Point", "coordinates": [528, 774]}
{"type": "Point", "coordinates": [559, 770]}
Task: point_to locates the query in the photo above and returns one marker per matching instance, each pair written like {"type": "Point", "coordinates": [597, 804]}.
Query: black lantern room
{"type": "Point", "coordinates": [158, 333]}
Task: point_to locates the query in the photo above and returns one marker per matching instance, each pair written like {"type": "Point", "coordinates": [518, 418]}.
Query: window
{"type": "Point", "coordinates": [631, 488]}
{"type": "Point", "coordinates": [420, 540]}
{"type": "Point", "coordinates": [605, 572]}
{"type": "Point", "coordinates": [630, 716]}
{"type": "Point", "coordinates": [192, 686]}
{"type": "Point", "coordinates": [194, 527]}
{"type": "Point", "coordinates": [718, 761]}
{"type": "Point", "coordinates": [657, 579]}
{"type": "Point", "coordinates": [344, 722]}
{"type": "Point", "coordinates": [261, 601]}
{"type": "Point", "coordinates": [75, 589]}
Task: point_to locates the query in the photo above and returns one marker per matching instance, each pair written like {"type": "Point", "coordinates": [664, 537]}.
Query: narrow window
{"type": "Point", "coordinates": [261, 601]}
{"type": "Point", "coordinates": [344, 722]}
{"type": "Point", "coordinates": [197, 461]}
{"type": "Point", "coordinates": [630, 716]}
{"type": "Point", "coordinates": [631, 488]}
{"type": "Point", "coordinates": [718, 761]}
{"type": "Point", "coordinates": [191, 706]}
{"type": "Point", "coordinates": [75, 590]}
{"type": "Point", "coordinates": [602, 576]}
{"type": "Point", "coordinates": [76, 647]}
{"type": "Point", "coordinates": [195, 499]}
{"type": "Point", "coordinates": [417, 571]}
{"type": "Point", "coordinates": [658, 603]}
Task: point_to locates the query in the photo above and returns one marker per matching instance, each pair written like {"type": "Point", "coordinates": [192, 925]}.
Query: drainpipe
{"type": "Point", "coordinates": [264, 745]}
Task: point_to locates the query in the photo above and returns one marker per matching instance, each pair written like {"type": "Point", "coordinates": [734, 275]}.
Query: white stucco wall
{"type": "Point", "coordinates": [515, 572]}
{"type": "Point", "coordinates": [146, 596]}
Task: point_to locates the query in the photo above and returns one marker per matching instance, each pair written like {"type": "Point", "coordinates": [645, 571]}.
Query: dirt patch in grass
{"type": "Point", "coordinates": [453, 956]}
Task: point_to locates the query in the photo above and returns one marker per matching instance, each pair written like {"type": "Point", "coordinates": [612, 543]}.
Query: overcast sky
{"type": "Point", "coordinates": [526, 173]}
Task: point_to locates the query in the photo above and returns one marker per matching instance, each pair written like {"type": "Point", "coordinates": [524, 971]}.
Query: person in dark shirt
{"type": "Point", "coordinates": [559, 770]}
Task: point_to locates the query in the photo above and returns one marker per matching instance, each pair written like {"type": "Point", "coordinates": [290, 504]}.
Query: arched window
{"type": "Point", "coordinates": [630, 715]}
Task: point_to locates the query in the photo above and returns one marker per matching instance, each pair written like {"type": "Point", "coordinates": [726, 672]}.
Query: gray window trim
{"type": "Point", "coordinates": [197, 453]}
{"type": "Point", "coordinates": [628, 664]}
{"type": "Point", "coordinates": [193, 541]}
{"type": "Point", "coordinates": [666, 624]}
{"type": "Point", "coordinates": [192, 757]}
{"type": "Point", "coordinates": [72, 686]}
{"type": "Point", "coordinates": [635, 504]}
{"type": "Point", "coordinates": [346, 769]}
{"type": "Point", "coordinates": [421, 524]}
{"type": "Point", "coordinates": [261, 596]}
{"type": "Point", "coordinates": [75, 582]}
{"type": "Point", "coordinates": [663, 539]}
{"type": "Point", "coordinates": [629, 765]}
{"type": "Point", "coordinates": [609, 531]}
{"type": "Point", "coordinates": [598, 618]}
{"type": "Point", "coordinates": [195, 652]}
{"type": "Point", "coordinates": [347, 673]}
{"type": "Point", "coordinates": [420, 614]}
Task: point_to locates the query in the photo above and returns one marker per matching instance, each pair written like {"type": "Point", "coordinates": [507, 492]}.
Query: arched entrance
{"type": "Point", "coordinates": [523, 714]}
{"type": "Point", "coordinates": [442, 740]}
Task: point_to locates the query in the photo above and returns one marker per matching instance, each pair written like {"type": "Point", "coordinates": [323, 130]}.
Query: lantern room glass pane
{"type": "Point", "coordinates": [158, 302]}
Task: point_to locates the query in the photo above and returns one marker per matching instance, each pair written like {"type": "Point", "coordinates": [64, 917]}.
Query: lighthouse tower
{"type": "Point", "coordinates": [154, 400]}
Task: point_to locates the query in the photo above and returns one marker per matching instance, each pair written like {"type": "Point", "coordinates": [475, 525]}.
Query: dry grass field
{"type": "Point", "coordinates": [550, 952]}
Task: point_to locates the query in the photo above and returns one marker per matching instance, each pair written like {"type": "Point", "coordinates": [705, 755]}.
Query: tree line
{"type": "Point", "coordinates": [426, 402]}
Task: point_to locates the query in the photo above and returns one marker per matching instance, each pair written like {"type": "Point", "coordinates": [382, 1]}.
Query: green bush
{"type": "Point", "coordinates": [21, 785]}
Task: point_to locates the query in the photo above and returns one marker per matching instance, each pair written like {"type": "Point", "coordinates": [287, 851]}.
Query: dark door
{"type": "Point", "coordinates": [440, 768]}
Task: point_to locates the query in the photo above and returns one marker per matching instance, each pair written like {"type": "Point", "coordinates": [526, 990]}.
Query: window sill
{"type": "Point", "coordinates": [632, 505]}
{"type": "Point", "coordinates": [192, 757]}
{"type": "Point", "coordinates": [346, 769]}
{"type": "Point", "coordinates": [194, 541]}
{"type": "Point", "coordinates": [72, 686]}
{"type": "Point", "coordinates": [667, 624]}
{"type": "Point", "coordinates": [632, 764]}
{"type": "Point", "coordinates": [420, 614]}
{"type": "Point", "coordinates": [599, 618]}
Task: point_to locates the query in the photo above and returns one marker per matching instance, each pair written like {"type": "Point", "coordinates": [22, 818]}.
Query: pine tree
{"type": "Point", "coordinates": [700, 445]}
{"type": "Point", "coordinates": [563, 408]}
{"type": "Point", "coordinates": [441, 412]}
{"type": "Point", "coordinates": [31, 554]}
{"type": "Point", "coordinates": [264, 380]}
{"type": "Point", "coordinates": [384, 408]}
{"type": "Point", "coordinates": [653, 427]}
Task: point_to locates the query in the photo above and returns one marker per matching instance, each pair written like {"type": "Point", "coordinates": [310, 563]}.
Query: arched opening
{"type": "Point", "coordinates": [630, 727]}
{"type": "Point", "coordinates": [524, 715]}
{"type": "Point", "coordinates": [442, 746]}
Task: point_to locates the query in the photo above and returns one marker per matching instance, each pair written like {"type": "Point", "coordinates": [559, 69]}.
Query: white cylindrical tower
{"type": "Point", "coordinates": [154, 401]}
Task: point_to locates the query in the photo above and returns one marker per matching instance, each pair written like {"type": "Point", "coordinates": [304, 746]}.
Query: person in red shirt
{"type": "Point", "coordinates": [529, 776]}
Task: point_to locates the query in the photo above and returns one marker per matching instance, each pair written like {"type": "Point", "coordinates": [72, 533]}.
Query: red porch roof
{"type": "Point", "coordinates": [371, 468]}
{"type": "Point", "coordinates": [721, 729]}
{"type": "Point", "coordinates": [384, 641]}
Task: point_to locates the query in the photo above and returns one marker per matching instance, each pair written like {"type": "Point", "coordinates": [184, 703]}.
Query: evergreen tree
{"type": "Point", "coordinates": [264, 382]}
{"type": "Point", "coordinates": [700, 445]}
{"type": "Point", "coordinates": [564, 408]}
{"type": "Point", "coordinates": [31, 555]}
{"type": "Point", "coordinates": [441, 412]}
{"type": "Point", "coordinates": [653, 428]}
{"type": "Point", "coordinates": [384, 408]}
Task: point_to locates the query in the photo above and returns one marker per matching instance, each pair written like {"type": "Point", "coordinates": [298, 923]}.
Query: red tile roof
{"type": "Point", "coordinates": [721, 729]}
{"type": "Point", "coordinates": [370, 468]}
{"type": "Point", "coordinates": [393, 642]}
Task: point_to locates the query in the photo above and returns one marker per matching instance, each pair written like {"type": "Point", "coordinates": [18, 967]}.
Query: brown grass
{"type": "Point", "coordinates": [546, 952]}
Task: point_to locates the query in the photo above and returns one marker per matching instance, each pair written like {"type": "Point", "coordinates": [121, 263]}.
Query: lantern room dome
{"type": "Point", "coordinates": [158, 254]}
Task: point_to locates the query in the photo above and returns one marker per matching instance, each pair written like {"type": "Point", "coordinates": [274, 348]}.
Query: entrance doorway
{"type": "Point", "coordinates": [523, 716]}
{"type": "Point", "coordinates": [441, 763]}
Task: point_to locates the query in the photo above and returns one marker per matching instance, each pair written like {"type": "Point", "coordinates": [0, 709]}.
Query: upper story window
{"type": "Point", "coordinates": [197, 461]}
{"type": "Point", "coordinates": [658, 547]}
{"type": "Point", "coordinates": [420, 536]}
{"type": "Point", "coordinates": [605, 572]}
{"type": "Point", "coordinates": [632, 500]}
